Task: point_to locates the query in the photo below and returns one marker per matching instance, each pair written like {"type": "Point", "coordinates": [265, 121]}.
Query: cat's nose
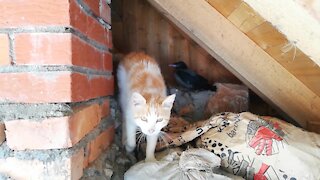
{"type": "Point", "coordinates": [151, 130]}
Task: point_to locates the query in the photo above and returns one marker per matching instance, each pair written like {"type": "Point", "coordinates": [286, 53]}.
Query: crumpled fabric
{"type": "Point", "coordinates": [252, 146]}
{"type": "Point", "coordinates": [192, 164]}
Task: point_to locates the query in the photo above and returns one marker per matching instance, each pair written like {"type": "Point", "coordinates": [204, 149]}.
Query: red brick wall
{"type": "Point", "coordinates": [55, 86]}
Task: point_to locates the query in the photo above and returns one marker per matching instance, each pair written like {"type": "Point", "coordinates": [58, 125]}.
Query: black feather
{"type": "Point", "coordinates": [190, 80]}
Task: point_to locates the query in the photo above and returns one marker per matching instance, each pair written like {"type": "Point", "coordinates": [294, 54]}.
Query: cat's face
{"type": "Point", "coordinates": [151, 117]}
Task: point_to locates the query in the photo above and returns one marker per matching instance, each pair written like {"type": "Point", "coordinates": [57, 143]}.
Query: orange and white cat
{"type": "Point", "coordinates": [143, 100]}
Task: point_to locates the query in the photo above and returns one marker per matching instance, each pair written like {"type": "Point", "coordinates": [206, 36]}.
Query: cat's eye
{"type": "Point", "coordinates": [160, 120]}
{"type": "Point", "coordinates": [144, 119]}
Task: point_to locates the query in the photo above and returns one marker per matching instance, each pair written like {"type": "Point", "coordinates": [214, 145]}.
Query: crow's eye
{"type": "Point", "coordinates": [144, 119]}
{"type": "Point", "coordinates": [160, 120]}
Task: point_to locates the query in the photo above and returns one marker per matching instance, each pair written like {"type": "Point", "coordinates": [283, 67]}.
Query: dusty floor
{"type": "Point", "coordinates": [112, 164]}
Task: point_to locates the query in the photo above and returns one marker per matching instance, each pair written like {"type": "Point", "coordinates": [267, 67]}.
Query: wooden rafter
{"type": "Point", "coordinates": [245, 58]}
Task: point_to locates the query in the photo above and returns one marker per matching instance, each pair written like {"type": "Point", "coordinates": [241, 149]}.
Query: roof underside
{"type": "Point", "coordinates": [274, 54]}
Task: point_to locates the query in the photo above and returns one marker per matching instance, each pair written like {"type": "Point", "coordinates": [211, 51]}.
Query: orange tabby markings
{"type": "Point", "coordinates": [143, 100]}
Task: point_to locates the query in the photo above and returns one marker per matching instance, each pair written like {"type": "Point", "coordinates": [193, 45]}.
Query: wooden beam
{"type": "Point", "coordinates": [225, 7]}
{"type": "Point", "coordinates": [245, 18]}
{"type": "Point", "coordinates": [275, 43]}
{"type": "Point", "coordinates": [231, 47]}
{"type": "Point", "coordinates": [294, 21]}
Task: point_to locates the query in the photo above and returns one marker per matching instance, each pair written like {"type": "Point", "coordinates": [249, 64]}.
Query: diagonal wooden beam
{"type": "Point", "coordinates": [294, 21]}
{"type": "Point", "coordinates": [243, 57]}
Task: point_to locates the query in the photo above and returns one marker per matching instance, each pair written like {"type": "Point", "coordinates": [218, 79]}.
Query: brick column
{"type": "Point", "coordinates": [55, 85]}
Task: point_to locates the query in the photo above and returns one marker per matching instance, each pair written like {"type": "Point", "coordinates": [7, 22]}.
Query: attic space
{"type": "Point", "coordinates": [262, 73]}
{"type": "Point", "coordinates": [240, 96]}
{"type": "Point", "coordinates": [138, 26]}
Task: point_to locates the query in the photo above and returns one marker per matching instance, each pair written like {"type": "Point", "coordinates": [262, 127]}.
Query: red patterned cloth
{"type": "Point", "coordinates": [252, 146]}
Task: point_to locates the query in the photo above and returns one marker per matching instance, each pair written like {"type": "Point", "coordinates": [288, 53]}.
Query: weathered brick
{"type": "Point", "coordinates": [40, 87]}
{"type": "Point", "coordinates": [2, 134]}
{"type": "Point", "coordinates": [109, 38]}
{"type": "Point", "coordinates": [83, 121]}
{"type": "Point", "coordinates": [53, 133]}
{"type": "Point", "coordinates": [34, 13]}
{"type": "Point", "coordinates": [105, 11]}
{"type": "Point", "coordinates": [105, 108]}
{"type": "Point", "coordinates": [36, 87]}
{"type": "Point", "coordinates": [95, 147]}
{"type": "Point", "coordinates": [107, 62]}
{"type": "Point", "coordinates": [93, 5]}
{"type": "Point", "coordinates": [57, 49]}
{"type": "Point", "coordinates": [4, 50]}
{"type": "Point", "coordinates": [43, 48]}
{"type": "Point", "coordinates": [48, 134]}
{"type": "Point", "coordinates": [100, 143]}
{"type": "Point", "coordinates": [97, 86]}
{"type": "Point", "coordinates": [76, 163]}
{"type": "Point", "coordinates": [53, 13]}
{"type": "Point", "coordinates": [102, 86]}
{"type": "Point", "coordinates": [86, 56]}
{"type": "Point", "coordinates": [86, 24]}
{"type": "Point", "coordinates": [70, 167]}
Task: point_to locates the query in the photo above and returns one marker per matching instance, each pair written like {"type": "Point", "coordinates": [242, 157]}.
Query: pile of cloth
{"type": "Point", "coordinates": [192, 164]}
{"type": "Point", "coordinates": [236, 146]}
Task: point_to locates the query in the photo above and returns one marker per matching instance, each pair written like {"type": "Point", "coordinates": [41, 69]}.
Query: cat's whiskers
{"type": "Point", "coordinates": [141, 139]}
{"type": "Point", "coordinates": [164, 136]}
{"type": "Point", "coordinates": [138, 131]}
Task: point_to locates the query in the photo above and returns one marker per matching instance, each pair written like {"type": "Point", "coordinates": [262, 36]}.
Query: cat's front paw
{"type": "Point", "coordinates": [130, 148]}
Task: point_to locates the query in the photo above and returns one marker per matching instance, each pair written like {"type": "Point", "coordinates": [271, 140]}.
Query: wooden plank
{"type": "Point", "coordinates": [245, 18]}
{"type": "Point", "coordinates": [214, 71]}
{"type": "Point", "coordinates": [199, 61]}
{"type": "Point", "coordinates": [294, 21]}
{"type": "Point", "coordinates": [138, 26]}
{"type": "Point", "coordinates": [141, 28]}
{"type": "Point", "coordinates": [225, 7]}
{"type": "Point", "coordinates": [277, 45]}
{"type": "Point", "coordinates": [117, 25]}
{"type": "Point", "coordinates": [265, 35]}
{"type": "Point", "coordinates": [298, 64]}
{"type": "Point", "coordinates": [289, 56]}
{"type": "Point", "coordinates": [257, 69]}
{"type": "Point", "coordinates": [151, 33]}
{"type": "Point", "coordinates": [130, 20]}
{"type": "Point", "coordinates": [166, 51]}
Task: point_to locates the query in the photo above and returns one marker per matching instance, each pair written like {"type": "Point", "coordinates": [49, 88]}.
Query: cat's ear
{"type": "Point", "coordinates": [138, 99]}
{"type": "Point", "coordinates": [168, 102]}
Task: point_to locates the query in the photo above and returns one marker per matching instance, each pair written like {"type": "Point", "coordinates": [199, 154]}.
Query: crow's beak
{"type": "Point", "coordinates": [173, 65]}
